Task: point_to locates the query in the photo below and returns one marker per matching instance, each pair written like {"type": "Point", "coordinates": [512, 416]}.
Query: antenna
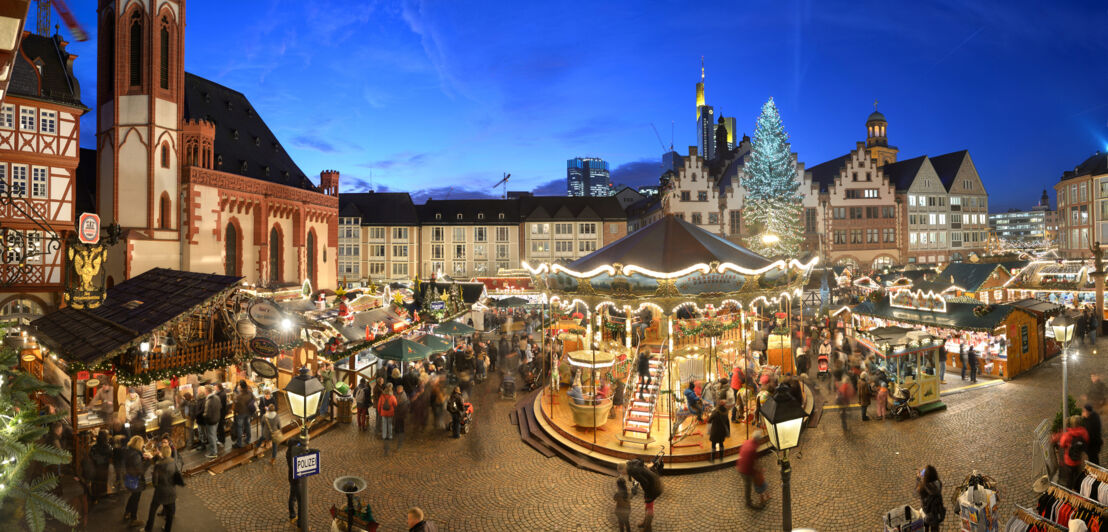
{"type": "Point", "coordinates": [671, 135]}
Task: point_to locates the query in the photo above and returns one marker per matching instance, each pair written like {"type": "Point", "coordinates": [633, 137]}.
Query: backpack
{"type": "Point", "coordinates": [359, 396]}
{"type": "Point", "coordinates": [1076, 449]}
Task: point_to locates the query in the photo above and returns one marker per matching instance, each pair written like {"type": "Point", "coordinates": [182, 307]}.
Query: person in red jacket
{"type": "Point", "coordinates": [1071, 445]}
{"type": "Point", "coordinates": [386, 409]}
{"type": "Point", "coordinates": [753, 476]}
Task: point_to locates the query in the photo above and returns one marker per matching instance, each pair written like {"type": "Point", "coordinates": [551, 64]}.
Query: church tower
{"type": "Point", "coordinates": [877, 144]}
{"type": "Point", "coordinates": [139, 99]}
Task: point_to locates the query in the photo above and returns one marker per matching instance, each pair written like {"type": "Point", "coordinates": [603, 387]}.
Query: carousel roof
{"type": "Point", "coordinates": [669, 245]}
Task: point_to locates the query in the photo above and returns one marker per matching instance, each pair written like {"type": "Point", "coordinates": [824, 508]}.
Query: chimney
{"type": "Point", "coordinates": [329, 182]}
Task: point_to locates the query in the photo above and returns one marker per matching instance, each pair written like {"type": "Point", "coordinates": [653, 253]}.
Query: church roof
{"type": "Point", "coordinates": [669, 245]}
{"type": "Point", "coordinates": [876, 116]}
{"type": "Point", "coordinates": [379, 208]}
{"type": "Point", "coordinates": [825, 173]}
{"type": "Point", "coordinates": [947, 165]}
{"type": "Point", "coordinates": [1095, 165]}
{"type": "Point", "coordinates": [243, 141]}
{"type": "Point", "coordinates": [58, 84]}
{"type": "Point", "coordinates": [903, 173]}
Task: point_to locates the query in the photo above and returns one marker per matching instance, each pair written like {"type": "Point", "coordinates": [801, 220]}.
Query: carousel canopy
{"type": "Point", "coordinates": [669, 245]}
{"type": "Point", "coordinates": [132, 310]}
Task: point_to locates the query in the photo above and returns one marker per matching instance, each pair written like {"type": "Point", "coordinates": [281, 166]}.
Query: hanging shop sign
{"type": "Point", "coordinates": [88, 228]}
{"type": "Point", "coordinates": [438, 305]}
{"type": "Point", "coordinates": [84, 274]}
{"type": "Point", "coordinates": [264, 368]}
{"type": "Point", "coordinates": [82, 375]}
{"type": "Point", "coordinates": [264, 347]}
{"type": "Point", "coordinates": [265, 313]}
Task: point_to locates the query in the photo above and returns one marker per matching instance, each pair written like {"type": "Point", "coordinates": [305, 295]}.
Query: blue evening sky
{"type": "Point", "coordinates": [439, 98]}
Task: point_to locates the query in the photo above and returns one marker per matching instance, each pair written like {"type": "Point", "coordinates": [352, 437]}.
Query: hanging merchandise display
{"type": "Point", "coordinates": [976, 504]}
{"type": "Point", "coordinates": [903, 519]}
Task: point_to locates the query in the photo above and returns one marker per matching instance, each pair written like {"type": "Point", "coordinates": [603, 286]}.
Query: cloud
{"type": "Point", "coordinates": [637, 173]}
{"type": "Point", "coordinates": [415, 15]}
{"type": "Point", "coordinates": [313, 143]}
{"type": "Point", "coordinates": [554, 187]}
{"type": "Point", "coordinates": [402, 159]}
{"type": "Point", "coordinates": [441, 193]}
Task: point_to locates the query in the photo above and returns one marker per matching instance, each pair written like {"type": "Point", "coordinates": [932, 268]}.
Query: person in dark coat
{"type": "Point", "coordinates": [865, 393]}
{"type": "Point", "coordinates": [403, 406]}
{"type": "Point", "coordinates": [165, 489]}
{"type": "Point", "coordinates": [295, 447]}
{"type": "Point", "coordinates": [224, 409]}
{"type": "Point", "coordinates": [642, 366]}
{"type": "Point", "coordinates": [100, 455]}
{"type": "Point", "coordinates": [719, 430]}
{"type": "Point", "coordinates": [1091, 421]}
{"type": "Point", "coordinates": [930, 490]}
{"type": "Point", "coordinates": [971, 359]}
{"type": "Point", "coordinates": [135, 463]}
{"type": "Point", "coordinates": [455, 407]}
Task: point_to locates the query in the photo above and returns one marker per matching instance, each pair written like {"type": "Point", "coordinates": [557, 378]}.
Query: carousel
{"type": "Point", "coordinates": [699, 304]}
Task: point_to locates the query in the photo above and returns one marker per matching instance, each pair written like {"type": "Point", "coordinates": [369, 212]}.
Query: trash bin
{"type": "Point", "coordinates": [344, 404]}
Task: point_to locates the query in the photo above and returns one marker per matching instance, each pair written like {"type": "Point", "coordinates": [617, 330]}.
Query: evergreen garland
{"type": "Point", "coordinates": [709, 328]}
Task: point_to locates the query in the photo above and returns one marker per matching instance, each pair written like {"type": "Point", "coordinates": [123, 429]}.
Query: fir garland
{"type": "Point", "coordinates": [709, 328]}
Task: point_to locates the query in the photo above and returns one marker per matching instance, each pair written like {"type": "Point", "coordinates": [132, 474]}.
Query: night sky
{"type": "Point", "coordinates": [440, 98]}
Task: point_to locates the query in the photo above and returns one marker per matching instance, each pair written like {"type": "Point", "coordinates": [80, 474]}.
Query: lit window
{"type": "Point", "coordinates": [27, 118]}
{"type": "Point", "coordinates": [7, 117]}
{"type": "Point", "coordinates": [38, 182]}
{"type": "Point", "coordinates": [48, 121]}
{"type": "Point", "coordinates": [19, 180]}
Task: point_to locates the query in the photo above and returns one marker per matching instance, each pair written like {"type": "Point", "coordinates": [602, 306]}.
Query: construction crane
{"type": "Point", "coordinates": [663, 144]}
{"type": "Point", "coordinates": [42, 23]}
{"type": "Point", "coordinates": [504, 182]}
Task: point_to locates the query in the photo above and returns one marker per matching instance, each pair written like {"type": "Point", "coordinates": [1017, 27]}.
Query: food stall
{"type": "Point", "coordinates": [909, 359]}
{"type": "Point", "coordinates": [1007, 338]}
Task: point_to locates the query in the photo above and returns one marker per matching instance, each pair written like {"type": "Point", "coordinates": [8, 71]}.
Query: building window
{"type": "Point", "coordinates": [872, 212]}
{"type": "Point", "coordinates": [136, 50]}
{"type": "Point", "coordinates": [459, 234]}
{"type": "Point", "coordinates": [438, 267]}
{"type": "Point", "coordinates": [400, 233]}
{"type": "Point", "coordinates": [436, 251]}
{"type": "Point", "coordinates": [376, 251]}
{"type": "Point", "coordinates": [48, 122]}
{"type": "Point", "coordinates": [889, 234]}
{"type": "Point", "coordinates": [540, 229]}
{"type": "Point", "coordinates": [563, 246]}
{"type": "Point", "coordinates": [480, 216]}
{"type": "Point", "coordinates": [888, 212]}
{"type": "Point", "coordinates": [311, 257]}
{"type": "Point", "coordinates": [274, 255]}
{"type": "Point", "coordinates": [702, 196]}
{"type": "Point", "coordinates": [480, 234]}
{"type": "Point", "coordinates": [855, 236]}
{"type": "Point", "coordinates": [696, 219]}
{"type": "Point", "coordinates": [400, 251]}
{"type": "Point", "coordinates": [7, 117]}
{"type": "Point", "coordinates": [19, 180]}
{"type": "Point", "coordinates": [38, 182]}
{"type": "Point", "coordinates": [585, 246]}
{"type": "Point", "coordinates": [400, 269]}
{"type": "Point", "coordinates": [838, 213]}
{"type": "Point", "coordinates": [459, 251]}
{"type": "Point", "coordinates": [735, 222]}
{"type": "Point", "coordinates": [459, 268]}
{"type": "Point", "coordinates": [840, 237]}
{"type": "Point", "coordinates": [540, 247]}
{"type": "Point", "coordinates": [376, 233]}
{"type": "Point", "coordinates": [685, 195]}
{"type": "Point", "coordinates": [436, 234]}
{"type": "Point", "coordinates": [165, 156]}
{"type": "Point", "coordinates": [586, 229]}
{"type": "Point", "coordinates": [872, 236]}
{"type": "Point", "coordinates": [870, 192]}
{"type": "Point", "coordinates": [713, 218]}
{"type": "Point", "coordinates": [163, 66]}
{"type": "Point", "coordinates": [854, 193]}
{"type": "Point", "coordinates": [911, 201]}
{"type": "Point", "coordinates": [27, 118]}
{"type": "Point", "coordinates": [377, 268]}
{"type": "Point", "coordinates": [165, 212]}
{"type": "Point", "coordinates": [480, 251]}
{"type": "Point", "coordinates": [563, 229]}
{"type": "Point", "coordinates": [856, 213]}
{"type": "Point", "coordinates": [501, 251]}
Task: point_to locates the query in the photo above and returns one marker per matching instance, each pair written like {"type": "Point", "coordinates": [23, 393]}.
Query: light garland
{"type": "Point", "coordinates": [628, 270]}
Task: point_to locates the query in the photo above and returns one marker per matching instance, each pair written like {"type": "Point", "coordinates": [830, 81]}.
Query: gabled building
{"type": "Point", "coordinates": [378, 237]}
{"type": "Point", "coordinates": [466, 238]}
{"type": "Point", "coordinates": [39, 155]}
{"type": "Point", "coordinates": [1083, 206]}
{"type": "Point", "coordinates": [557, 228]}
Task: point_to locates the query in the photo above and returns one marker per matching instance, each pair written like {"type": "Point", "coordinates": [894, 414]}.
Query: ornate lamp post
{"type": "Point", "coordinates": [304, 392]}
{"type": "Point", "coordinates": [1063, 333]}
{"type": "Point", "coordinates": [783, 416]}
{"type": "Point", "coordinates": [349, 486]}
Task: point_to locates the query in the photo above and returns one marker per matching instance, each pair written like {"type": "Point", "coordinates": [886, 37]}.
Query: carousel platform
{"type": "Point", "coordinates": [553, 433]}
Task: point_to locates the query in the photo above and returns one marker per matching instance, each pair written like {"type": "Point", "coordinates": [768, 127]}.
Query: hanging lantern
{"type": "Point", "coordinates": [246, 329]}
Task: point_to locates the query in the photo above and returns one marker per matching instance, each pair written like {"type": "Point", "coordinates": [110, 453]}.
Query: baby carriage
{"type": "Point", "coordinates": [823, 367]}
{"type": "Point", "coordinates": [467, 417]}
{"type": "Point", "coordinates": [902, 409]}
{"type": "Point", "coordinates": [508, 385]}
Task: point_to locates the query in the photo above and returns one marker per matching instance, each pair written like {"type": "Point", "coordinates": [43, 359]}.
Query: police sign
{"type": "Point", "coordinates": [306, 465]}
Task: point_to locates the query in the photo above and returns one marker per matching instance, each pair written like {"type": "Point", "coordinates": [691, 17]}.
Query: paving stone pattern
{"type": "Point", "coordinates": [491, 481]}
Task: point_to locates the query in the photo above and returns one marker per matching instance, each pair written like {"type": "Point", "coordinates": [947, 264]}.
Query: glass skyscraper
{"type": "Point", "coordinates": [588, 176]}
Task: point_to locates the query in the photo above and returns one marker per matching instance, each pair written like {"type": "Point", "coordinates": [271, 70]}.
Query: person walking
{"type": "Point", "coordinates": [754, 479]}
{"type": "Point", "coordinates": [243, 405]}
{"type": "Point", "coordinates": [165, 480]}
{"type": "Point", "coordinates": [135, 464]}
{"type": "Point", "coordinates": [224, 409]}
{"type": "Point", "coordinates": [719, 430]}
{"type": "Point", "coordinates": [930, 490]}
{"type": "Point", "coordinates": [270, 429]}
{"type": "Point", "coordinates": [942, 365]}
{"type": "Point", "coordinates": [378, 390]}
{"type": "Point", "coordinates": [212, 422]}
{"type": "Point", "coordinates": [294, 448]}
{"type": "Point", "coordinates": [455, 406]}
{"type": "Point", "coordinates": [327, 377]}
{"type": "Point", "coordinates": [971, 359]}
{"type": "Point", "coordinates": [1072, 443]}
{"type": "Point", "coordinates": [623, 505]}
{"type": "Point", "coordinates": [100, 455]}
{"type": "Point", "coordinates": [962, 356]}
{"type": "Point", "coordinates": [361, 399]}
{"type": "Point", "coordinates": [417, 522]}
{"type": "Point", "coordinates": [1091, 421]}
{"type": "Point", "coordinates": [403, 407]}
{"type": "Point", "coordinates": [864, 395]}
{"type": "Point", "coordinates": [736, 385]}
{"type": "Point", "coordinates": [845, 395]}
{"type": "Point", "coordinates": [386, 409]}
{"type": "Point", "coordinates": [882, 399]}
{"type": "Point", "coordinates": [642, 366]}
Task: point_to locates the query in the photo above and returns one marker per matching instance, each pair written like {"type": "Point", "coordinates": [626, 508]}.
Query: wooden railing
{"type": "Point", "coordinates": [188, 355]}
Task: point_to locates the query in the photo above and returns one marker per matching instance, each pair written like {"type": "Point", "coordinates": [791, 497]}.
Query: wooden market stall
{"type": "Point", "coordinates": [1007, 338]}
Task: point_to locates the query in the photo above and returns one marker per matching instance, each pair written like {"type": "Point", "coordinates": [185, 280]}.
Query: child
{"type": "Point", "coordinates": [882, 400]}
{"type": "Point", "coordinates": [482, 366]}
{"type": "Point", "coordinates": [623, 505]}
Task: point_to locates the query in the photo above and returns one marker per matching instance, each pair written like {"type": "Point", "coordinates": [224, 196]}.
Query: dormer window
{"type": "Point", "coordinates": [257, 141]}
{"type": "Point", "coordinates": [438, 215]}
{"type": "Point", "coordinates": [235, 134]}
{"type": "Point", "coordinates": [265, 171]}
{"type": "Point", "coordinates": [228, 105]}
{"type": "Point", "coordinates": [501, 216]}
{"type": "Point", "coordinates": [276, 146]}
{"type": "Point", "coordinates": [480, 216]}
{"type": "Point", "coordinates": [459, 216]}
{"type": "Point", "coordinates": [219, 161]}
{"type": "Point", "coordinates": [207, 97]}
{"type": "Point", "coordinates": [249, 111]}
{"type": "Point", "coordinates": [242, 167]}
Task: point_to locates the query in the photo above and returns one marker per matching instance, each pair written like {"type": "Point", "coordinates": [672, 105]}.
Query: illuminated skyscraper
{"type": "Point", "coordinates": [588, 176]}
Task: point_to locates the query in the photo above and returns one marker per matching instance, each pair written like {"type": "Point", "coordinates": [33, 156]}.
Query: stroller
{"type": "Point", "coordinates": [901, 398]}
{"type": "Point", "coordinates": [508, 385]}
{"type": "Point", "coordinates": [530, 376]}
{"type": "Point", "coordinates": [823, 367]}
{"type": "Point", "coordinates": [467, 417]}
{"type": "Point", "coordinates": [638, 473]}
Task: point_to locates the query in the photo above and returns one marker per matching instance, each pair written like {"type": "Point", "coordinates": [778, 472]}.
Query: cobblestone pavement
{"type": "Point", "coordinates": [491, 481]}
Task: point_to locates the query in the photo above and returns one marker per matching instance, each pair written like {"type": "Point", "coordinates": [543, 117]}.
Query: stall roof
{"type": "Point", "coordinates": [1037, 306]}
{"type": "Point", "coordinates": [669, 245]}
{"type": "Point", "coordinates": [967, 275]}
{"type": "Point", "coordinates": [132, 310]}
{"type": "Point", "coordinates": [957, 316]}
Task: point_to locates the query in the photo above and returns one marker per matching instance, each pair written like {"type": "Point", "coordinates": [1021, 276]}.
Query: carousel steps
{"type": "Point", "coordinates": [534, 436]}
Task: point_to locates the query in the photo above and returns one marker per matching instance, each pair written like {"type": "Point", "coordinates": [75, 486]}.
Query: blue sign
{"type": "Point", "coordinates": [306, 465]}
{"type": "Point", "coordinates": [438, 305]}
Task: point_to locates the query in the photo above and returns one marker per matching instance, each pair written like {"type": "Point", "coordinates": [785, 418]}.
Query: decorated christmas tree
{"type": "Point", "coordinates": [772, 209]}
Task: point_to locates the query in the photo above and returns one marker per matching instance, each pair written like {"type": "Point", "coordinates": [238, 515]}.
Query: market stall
{"type": "Point", "coordinates": [908, 359]}
{"type": "Point", "coordinates": [1005, 337]}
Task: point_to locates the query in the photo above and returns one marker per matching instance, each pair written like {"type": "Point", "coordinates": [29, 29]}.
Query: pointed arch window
{"type": "Point", "coordinates": [274, 255]}
{"type": "Point", "coordinates": [136, 50]}
{"type": "Point", "coordinates": [165, 156]}
{"type": "Point", "coordinates": [163, 63]}
{"type": "Point", "coordinates": [311, 258]}
{"type": "Point", "coordinates": [107, 60]}
{"type": "Point", "coordinates": [165, 211]}
{"type": "Point", "coordinates": [231, 249]}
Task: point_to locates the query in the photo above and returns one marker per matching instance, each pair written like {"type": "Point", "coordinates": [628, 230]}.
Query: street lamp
{"type": "Point", "coordinates": [1063, 332]}
{"type": "Point", "coordinates": [304, 392]}
{"type": "Point", "coordinates": [783, 415]}
{"type": "Point", "coordinates": [349, 486]}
